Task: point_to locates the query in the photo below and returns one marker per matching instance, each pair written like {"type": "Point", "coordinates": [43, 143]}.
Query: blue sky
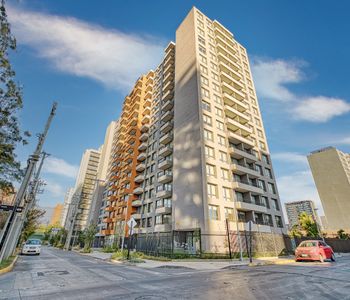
{"type": "Point", "coordinates": [87, 55]}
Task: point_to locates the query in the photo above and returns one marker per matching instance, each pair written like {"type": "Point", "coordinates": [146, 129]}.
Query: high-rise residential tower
{"type": "Point", "coordinates": [295, 208]}
{"type": "Point", "coordinates": [66, 204]}
{"type": "Point", "coordinates": [331, 171]}
{"type": "Point", "coordinates": [202, 157]}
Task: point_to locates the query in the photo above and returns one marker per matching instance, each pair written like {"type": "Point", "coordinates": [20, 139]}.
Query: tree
{"type": "Point", "coordinates": [295, 231]}
{"type": "Point", "coordinates": [89, 235]}
{"type": "Point", "coordinates": [10, 104]}
{"type": "Point", "coordinates": [31, 223]}
{"type": "Point", "coordinates": [308, 225]}
{"type": "Point", "coordinates": [342, 235]}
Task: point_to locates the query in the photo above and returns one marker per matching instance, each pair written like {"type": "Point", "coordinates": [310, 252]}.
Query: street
{"type": "Point", "coordinates": [56, 274]}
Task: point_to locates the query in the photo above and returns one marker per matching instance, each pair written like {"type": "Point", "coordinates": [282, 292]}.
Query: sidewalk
{"type": "Point", "coordinates": [98, 255]}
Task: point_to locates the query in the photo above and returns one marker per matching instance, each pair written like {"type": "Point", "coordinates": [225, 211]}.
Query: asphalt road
{"type": "Point", "coordinates": [56, 274]}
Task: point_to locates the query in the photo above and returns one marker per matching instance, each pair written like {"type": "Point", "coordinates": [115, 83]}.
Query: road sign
{"type": "Point", "coordinates": [131, 223]}
{"type": "Point", "coordinates": [10, 207]}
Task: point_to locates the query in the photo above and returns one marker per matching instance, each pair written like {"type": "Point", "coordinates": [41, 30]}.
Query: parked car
{"type": "Point", "coordinates": [31, 246]}
{"type": "Point", "coordinates": [314, 251]}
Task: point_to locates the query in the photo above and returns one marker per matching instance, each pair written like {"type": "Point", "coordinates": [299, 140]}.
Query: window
{"type": "Point", "coordinates": [272, 189]}
{"type": "Point", "coordinates": [217, 99]}
{"type": "Point", "coordinates": [223, 156]}
{"type": "Point", "coordinates": [203, 59]}
{"type": "Point", "coordinates": [210, 170]}
{"type": "Point", "coordinates": [257, 122]}
{"type": "Point", "coordinates": [274, 204]}
{"type": "Point", "coordinates": [219, 125]}
{"type": "Point", "coordinates": [261, 184]}
{"type": "Point", "coordinates": [204, 80]}
{"type": "Point", "coordinates": [206, 105]}
{"type": "Point", "coordinates": [226, 194]}
{"type": "Point", "coordinates": [221, 140]}
{"type": "Point", "coordinates": [265, 158]}
{"type": "Point", "coordinates": [213, 66]}
{"type": "Point", "coordinates": [207, 120]}
{"type": "Point", "coordinates": [229, 214]}
{"type": "Point", "coordinates": [208, 135]}
{"type": "Point", "coordinates": [216, 88]}
{"type": "Point", "coordinates": [218, 112]}
{"type": "Point", "coordinates": [259, 169]}
{"type": "Point", "coordinates": [205, 93]}
{"type": "Point", "coordinates": [213, 212]}
{"type": "Point", "coordinates": [260, 134]}
{"type": "Point", "coordinates": [203, 69]}
{"type": "Point", "coordinates": [149, 222]}
{"type": "Point", "coordinates": [279, 222]}
{"type": "Point", "coordinates": [241, 216]}
{"type": "Point", "coordinates": [262, 145]}
{"type": "Point", "coordinates": [200, 24]}
{"type": "Point", "coordinates": [265, 201]}
{"type": "Point", "coordinates": [212, 190]}
{"type": "Point", "coordinates": [268, 172]}
{"type": "Point", "coordinates": [202, 49]}
{"type": "Point", "coordinates": [214, 76]}
{"type": "Point", "coordinates": [201, 40]}
{"type": "Point", "coordinates": [239, 196]}
{"type": "Point", "coordinates": [209, 152]}
{"type": "Point", "coordinates": [167, 202]}
{"type": "Point", "coordinates": [225, 174]}
{"type": "Point", "coordinates": [158, 219]}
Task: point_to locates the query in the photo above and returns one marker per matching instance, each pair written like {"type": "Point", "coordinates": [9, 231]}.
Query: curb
{"type": "Point", "coordinates": [267, 263]}
{"type": "Point", "coordinates": [10, 267]}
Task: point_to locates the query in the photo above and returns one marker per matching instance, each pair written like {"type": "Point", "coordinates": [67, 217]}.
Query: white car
{"type": "Point", "coordinates": [32, 246]}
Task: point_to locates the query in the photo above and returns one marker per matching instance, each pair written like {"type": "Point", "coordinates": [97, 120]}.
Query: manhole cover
{"type": "Point", "coordinates": [151, 297]}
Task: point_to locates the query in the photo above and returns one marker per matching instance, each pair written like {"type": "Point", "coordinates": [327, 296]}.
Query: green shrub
{"type": "Point", "coordinates": [109, 249]}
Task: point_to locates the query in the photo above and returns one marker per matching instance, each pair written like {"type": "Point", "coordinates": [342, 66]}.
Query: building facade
{"type": "Point", "coordinates": [294, 209]}
{"type": "Point", "coordinates": [56, 215]}
{"type": "Point", "coordinates": [331, 172]}
{"type": "Point", "coordinates": [66, 205]}
{"type": "Point", "coordinates": [191, 150]}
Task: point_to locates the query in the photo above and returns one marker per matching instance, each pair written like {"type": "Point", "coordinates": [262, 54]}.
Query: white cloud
{"type": "Point", "coordinates": [54, 189]}
{"type": "Point", "coordinates": [272, 75]}
{"type": "Point", "coordinates": [108, 56]}
{"type": "Point", "coordinates": [290, 157]}
{"type": "Point", "coordinates": [343, 141]}
{"type": "Point", "coordinates": [320, 109]}
{"type": "Point", "coordinates": [299, 186]}
{"type": "Point", "coordinates": [59, 166]}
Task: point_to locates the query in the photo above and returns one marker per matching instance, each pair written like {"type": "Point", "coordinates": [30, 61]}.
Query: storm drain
{"type": "Point", "coordinates": [53, 273]}
{"type": "Point", "coordinates": [151, 297]}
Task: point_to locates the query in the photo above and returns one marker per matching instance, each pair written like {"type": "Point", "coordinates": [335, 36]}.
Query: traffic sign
{"type": "Point", "coordinates": [10, 207]}
{"type": "Point", "coordinates": [131, 223]}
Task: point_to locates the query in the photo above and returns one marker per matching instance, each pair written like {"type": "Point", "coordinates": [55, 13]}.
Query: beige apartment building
{"type": "Point", "coordinates": [201, 152]}
{"type": "Point", "coordinates": [331, 171]}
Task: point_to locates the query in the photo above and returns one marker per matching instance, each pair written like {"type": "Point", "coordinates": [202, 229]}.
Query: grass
{"type": "Point", "coordinates": [5, 263]}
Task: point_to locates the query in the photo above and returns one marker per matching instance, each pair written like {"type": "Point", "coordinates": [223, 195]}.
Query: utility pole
{"type": "Point", "coordinates": [10, 238]}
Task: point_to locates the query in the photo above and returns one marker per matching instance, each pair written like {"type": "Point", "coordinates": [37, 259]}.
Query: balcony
{"type": "Point", "coordinates": [167, 116]}
{"type": "Point", "coordinates": [232, 69]}
{"type": "Point", "coordinates": [245, 187]}
{"type": "Point", "coordinates": [136, 216]}
{"type": "Point", "coordinates": [168, 105]}
{"type": "Point", "coordinates": [229, 79]}
{"type": "Point", "coordinates": [231, 101]}
{"type": "Point", "coordinates": [138, 190]}
{"type": "Point", "coordinates": [164, 194]}
{"type": "Point", "coordinates": [136, 203]}
{"type": "Point", "coordinates": [236, 139]}
{"type": "Point", "coordinates": [166, 138]}
{"type": "Point", "coordinates": [139, 178]}
{"type": "Point", "coordinates": [232, 112]}
{"type": "Point", "coordinates": [144, 128]}
{"type": "Point", "coordinates": [168, 87]}
{"type": "Point", "coordinates": [235, 125]}
{"type": "Point", "coordinates": [146, 111]}
{"type": "Point", "coordinates": [165, 178]}
{"type": "Point", "coordinates": [107, 220]}
{"type": "Point", "coordinates": [140, 167]}
{"type": "Point", "coordinates": [149, 93]}
{"type": "Point", "coordinates": [162, 228]}
{"type": "Point", "coordinates": [165, 164]}
{"type": "Point", "coordinates": [242, 170]}
{"type": "Point", "coordinates": [239, 154]}
{"type": "Point", "coordinates": [147, 103]}
{"type": "Point", "coordinates": [106, 232]}
{"type": "Point", "coordinates": [142, 147]}
{"type": "Point", "coordinates": [144, 137]}
{"type": "Point", "coordinates": [163, 210]}
{"type": "Point", "coordinates": [109, 208]}
{"type": "Point", "coordinates": [146, 119]}
{"type": "Point", "coordinates": [141, 156]}
{"type": "Point", "coordinates": [168, 95]}
{"type": "Point", "coordinates": [229, 89]}
{"type": "Point", "coordinates": [168, 77]}
{"type": "Point", "coordinates": [165, 151]}
{"type": "Point", "coordinates": [165, 128]}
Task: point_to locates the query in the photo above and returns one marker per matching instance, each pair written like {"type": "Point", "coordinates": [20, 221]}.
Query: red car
{"type": "Point", "coordinates": [314, 250]}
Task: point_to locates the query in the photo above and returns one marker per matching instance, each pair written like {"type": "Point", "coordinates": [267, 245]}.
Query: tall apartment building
{"type": "Point", "coordinates": [66, 204]}
{"type": "Point", "coordinates": [56, 215]}
{"type": "Point", "coordinates": [331, 171]}
{"type": "Point", "coordinates": [128, 157]}
{"type": "Point", "coordinates": [295, 208]}
{"type": "Point", "coordinates": [83, 191]}
{"type": "Point", "coordinates": [193, 142]}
